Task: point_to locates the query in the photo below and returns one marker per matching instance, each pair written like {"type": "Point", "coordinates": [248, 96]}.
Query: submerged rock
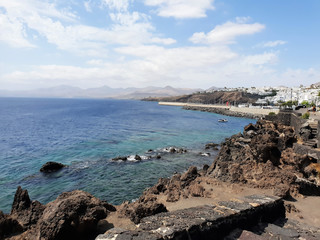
{"type": "Point", "coordinates": [123, 158]}
{"type": "Point", "coordinates": [51, 167]}
{"type": "Point", "coordinates": [212, 146]}
{"type": "Point", "coordinates": [175, 150]}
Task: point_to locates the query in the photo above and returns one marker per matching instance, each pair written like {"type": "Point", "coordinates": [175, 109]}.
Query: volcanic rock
{"type": "Point", "coordinates": [21, 200]}
{"type": "Point", "coordinates": [175, 150]}
{"type": "Point", "coordinates": [196, 190]}
{"type": "Point", "coordinates": [213, 146]}
{"type": "Point", "coordinates": [51, 167]}
{"type": "Point", "coordinates": [73, 215]}
{"type": "Point", "coordinates": [123, 158]}
{"type": "Point", "coordinates": [8, 226]}
{"type": "Point", "coordinates": [189, 176]}
{"type": "Point", "coordinates": [145, 206]}
{"type": "Point", "coordinates": [282, 191]}
{"type": "Point", "coordinates": [265, 159]}
{"type": "Point", "coordinates": [27, 213]}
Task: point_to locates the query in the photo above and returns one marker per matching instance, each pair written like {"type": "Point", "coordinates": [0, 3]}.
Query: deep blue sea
{"type": "Point", "coordinates": [86, 134]}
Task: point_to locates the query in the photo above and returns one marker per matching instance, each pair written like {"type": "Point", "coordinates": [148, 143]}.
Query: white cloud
{"type": "Point", "coordinates": [226, 33]}
{"type": "Point", "coordinates": [181, 8]}
{"type": "Point", "coordinates": [201, 66]}
{"type": "Point", "coordinates": [13, 33]}
{"type": "Point", "coordinates": [274, 43]}
{"type": "Point", "coordinates": [61, 28]}
{"type": "Point", "coordinates": [129, 51]}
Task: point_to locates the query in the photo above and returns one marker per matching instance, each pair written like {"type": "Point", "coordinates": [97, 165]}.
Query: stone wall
{"type": "Point", "coordinates": [204, 222]}
{"type": "Point", "coordinates": [288, 118]}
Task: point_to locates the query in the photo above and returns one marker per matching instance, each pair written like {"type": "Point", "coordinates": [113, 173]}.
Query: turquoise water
{"type": "Point", "coordinates": [87, 134]}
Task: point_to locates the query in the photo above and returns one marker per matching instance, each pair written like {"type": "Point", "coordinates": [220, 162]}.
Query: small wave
{"type": "Point", "coordinates": [132, 158]}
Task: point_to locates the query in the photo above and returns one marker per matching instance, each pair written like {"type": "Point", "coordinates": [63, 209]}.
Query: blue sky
{"type": "Point", "coordinates": [139, 43]}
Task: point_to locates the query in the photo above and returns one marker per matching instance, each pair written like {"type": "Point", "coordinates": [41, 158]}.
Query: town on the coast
{"type": "Point", "coordinates": [304, 96]}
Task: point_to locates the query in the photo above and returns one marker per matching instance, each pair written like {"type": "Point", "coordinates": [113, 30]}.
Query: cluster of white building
{"type": "Point", "coordinates": [277, 95]}
{"type": "Point", "coordinates": [284, 94]}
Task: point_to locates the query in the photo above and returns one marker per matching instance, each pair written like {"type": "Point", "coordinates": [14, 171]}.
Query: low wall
{"type": "Point", "coordinates": [287, 118]}
{"type": "Point", "coordinates": [194, 105]}
{"type": "Point", "coordinates": [254, 111]}
{"type": "Point", "coordinates": [204, 222]}
{"type": "Point", "coordinates": [224, 110]}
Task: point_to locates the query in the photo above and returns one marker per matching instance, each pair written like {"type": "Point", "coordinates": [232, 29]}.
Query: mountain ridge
{"type": "Point", "coordinates": [66, 91]}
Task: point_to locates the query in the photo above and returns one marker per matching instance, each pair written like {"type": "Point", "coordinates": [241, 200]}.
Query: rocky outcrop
{"type": "Point", "coordinates": [178, 186]}
{"type": "Point", "coordinates": [146, 205]}
{"type": "Point", "coordinates": [25, 211]}
{"type": "Point", "coordinates": [263, 157]}
{"type": "Point", "coordinates": [51, 167]}
{"type": "Point", "coordinates": [72, 215]}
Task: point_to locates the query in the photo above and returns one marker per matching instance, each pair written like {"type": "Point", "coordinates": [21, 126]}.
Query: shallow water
{"type": "Point", "coordinates": [87, 134]}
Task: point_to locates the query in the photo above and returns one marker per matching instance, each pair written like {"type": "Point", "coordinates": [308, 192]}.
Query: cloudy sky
{"type": "Point", "coordinates": [138, 43]}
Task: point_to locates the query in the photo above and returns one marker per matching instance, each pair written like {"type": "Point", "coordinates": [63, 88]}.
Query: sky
{"type": "Point", "coordinates": [139, 43]}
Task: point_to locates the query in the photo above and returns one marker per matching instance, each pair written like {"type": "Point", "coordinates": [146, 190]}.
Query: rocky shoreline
{"type": "Point", "coordinates": [258, 178]}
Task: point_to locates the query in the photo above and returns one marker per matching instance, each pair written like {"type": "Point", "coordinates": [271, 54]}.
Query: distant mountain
{"type": "Point", "coordinates": [65, 91]}
{"type": "Point", "coordinates": [158, 92]}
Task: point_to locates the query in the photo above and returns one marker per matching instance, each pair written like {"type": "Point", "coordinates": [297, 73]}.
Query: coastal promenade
{"type": "Point", "coordinates": [228, 110]}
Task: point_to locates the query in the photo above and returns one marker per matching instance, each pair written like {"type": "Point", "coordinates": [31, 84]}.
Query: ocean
{"type": "Point", "coordinates": [86, 134]}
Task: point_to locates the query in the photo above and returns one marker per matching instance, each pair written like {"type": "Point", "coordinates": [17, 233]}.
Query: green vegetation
{"type": "Point", "coordinates": [272, 113]}
{"type": "Point", "coordinates": [306, 115]}
{"type": "Point", "coordinates": [305, 102]}
{"type": "Point", "coordinates": [289, 103]}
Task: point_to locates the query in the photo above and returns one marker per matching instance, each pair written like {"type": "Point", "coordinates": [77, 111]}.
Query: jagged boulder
{"type": "Point", "coordinates": [189, 176]}
{"type": "Point", "coordinates": [21, 200]}
{"type": "Point", "coordinates": [73, 215]}
{"type": "Point", "coordinates": [147, 205]}
{"type": "Point", "coordinates": [51, 167]}
{"type": "Point", "coordinates": [25, 211]}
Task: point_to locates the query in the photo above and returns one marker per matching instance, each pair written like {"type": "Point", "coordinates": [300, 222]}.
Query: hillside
{"type": "Point", "coordinates": [211, 98]}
